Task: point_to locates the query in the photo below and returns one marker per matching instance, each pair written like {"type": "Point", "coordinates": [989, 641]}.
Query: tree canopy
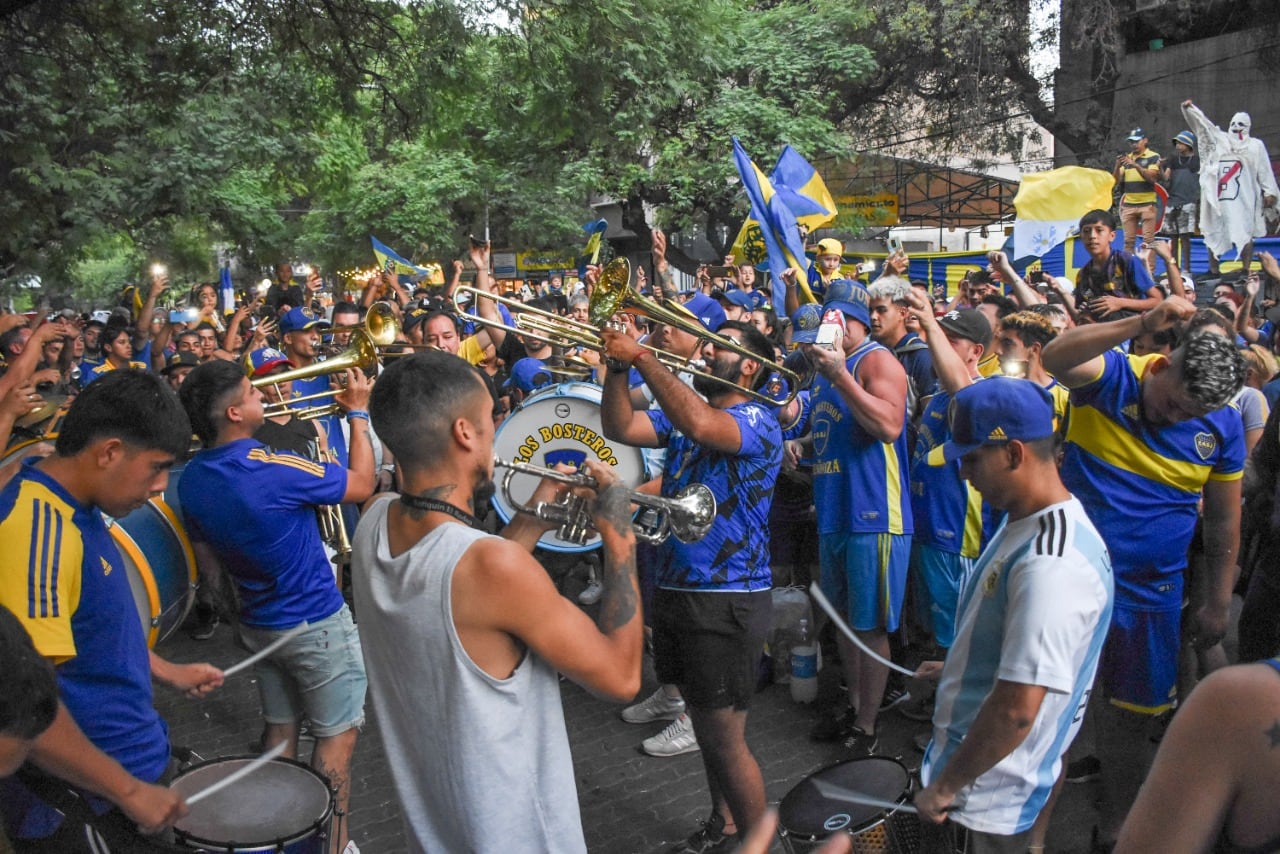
{"type": "Point", "coordinates": [135, 130]}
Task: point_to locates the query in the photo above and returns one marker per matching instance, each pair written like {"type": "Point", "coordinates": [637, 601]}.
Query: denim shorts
{"type": "Point", "coordinates": [319, 672]}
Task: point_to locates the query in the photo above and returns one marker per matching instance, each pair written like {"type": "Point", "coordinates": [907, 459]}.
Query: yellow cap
{"type": "Point", "coordinates": [830, 246]}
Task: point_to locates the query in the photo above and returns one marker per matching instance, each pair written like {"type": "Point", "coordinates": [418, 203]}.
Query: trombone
{"type": "Point", "coordinates": [361, 354]}
{"type": "Point", "coordinates": [379, 324]}
{"type": "Point", "coordinates": [687, 516]}
{"type": "Point", "coordinates": [613, 294]}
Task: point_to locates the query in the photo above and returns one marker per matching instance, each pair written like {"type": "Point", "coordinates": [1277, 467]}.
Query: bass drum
{"type": "Point", "coordinates": [160, 563]}
{"type": "Point", "coordinates": [556, 425]}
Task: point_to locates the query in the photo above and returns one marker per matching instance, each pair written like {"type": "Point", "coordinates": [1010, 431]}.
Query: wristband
{"type": "Point", "coordinates": [641, 355]}
{"type": "Point", "coordinates": [357, 413]}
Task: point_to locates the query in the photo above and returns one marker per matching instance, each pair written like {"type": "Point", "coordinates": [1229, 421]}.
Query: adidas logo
{"type": "Point", "coordinates": [997, 435]}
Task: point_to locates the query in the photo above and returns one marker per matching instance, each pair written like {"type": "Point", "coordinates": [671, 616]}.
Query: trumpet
{"type": "Point", "coordinates": [361, 354]}
{"type": "Point", "coordinates": [687, 516]}
{"type": "Point", "coordinates": [613, 294]}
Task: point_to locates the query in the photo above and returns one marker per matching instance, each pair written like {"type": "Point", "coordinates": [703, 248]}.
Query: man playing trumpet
{"type": "Point", "coordinates": [712, 608]}
{"type": "Point", "coordinates": [463, 632]}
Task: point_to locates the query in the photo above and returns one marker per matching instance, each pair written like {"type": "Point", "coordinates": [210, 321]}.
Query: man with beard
{"type": "Point", "coordinates": [250, 512]}
{"type": "Point", "coordinates": [464, 632]}
{"type": "Point", "coordinates": [1236, 183]}
{"type": "Point", "coordinates": [712, 608]}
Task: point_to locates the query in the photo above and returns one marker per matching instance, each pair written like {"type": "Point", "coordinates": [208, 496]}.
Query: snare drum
{"type": "Point", "coordinates": [819, 807]}
{"type": "Point", "coordinates": [283, 807]}
{"type": "Point", "coordinates": [560, 424]}
{"type": "Point", "coordinates": [160, 563]}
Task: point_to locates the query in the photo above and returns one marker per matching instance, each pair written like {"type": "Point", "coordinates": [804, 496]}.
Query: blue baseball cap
{"type": "Point", "coordinates": [992, 412]}
{"type": "Point", "coordinates": [1136, 134]}
{"type": "Point", "coordinates": [733, 296]}
{"type": "Point", "coordinates": [1186, 137]}
{"type": "Point", "coordinates": [264, 360]}
{"type": "Point", "coordinates": [528, 374]}
{"type": "Point", "coordinates": [296, 319]}
{"type": "Point", "coordinates": [705, 310]}
{"type": "Point", "coordinates": [851, 298]}
{"type": "Point", "coordinates": [805, 323]}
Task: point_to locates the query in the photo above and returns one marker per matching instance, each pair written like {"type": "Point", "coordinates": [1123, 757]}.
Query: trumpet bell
{"type": "Point", "coordinates": [360, 353]}
{"type": "Point", "coordinates": [610, 291]}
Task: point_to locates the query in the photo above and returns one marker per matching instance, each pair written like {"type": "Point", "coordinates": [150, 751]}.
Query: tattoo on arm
{"type": "Point", "coordinates": [1274, 734]}
{"type": "Point", "coordinates": [620, 602]}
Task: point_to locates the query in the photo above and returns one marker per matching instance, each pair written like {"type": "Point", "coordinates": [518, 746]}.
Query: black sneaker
{"type": "Point", "coordinates": [834, 727]}
{"type": "Point", "coordinates": [862, 744]}
{"type": "Point", "coordinates": [1083, 770]}
{"type": "Point", "coordinates": [709, 839]}
{"type": "Point", "coordinates": [894, 697]}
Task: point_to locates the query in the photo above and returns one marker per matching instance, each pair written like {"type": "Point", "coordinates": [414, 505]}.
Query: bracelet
{"type": "Point", "coordinates": [1142, 319]}
{"type": "Point", "coordinates": [641, 355]}
{"type": "Point", "coordinates": [357, 413]}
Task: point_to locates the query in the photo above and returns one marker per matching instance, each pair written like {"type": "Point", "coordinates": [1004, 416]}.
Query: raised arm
{"type": "Point", "coordinates": [1022, 292]}
{"type": "Point", "coordinates": [950, 369]}
{"type": "Point", "coordinates": [877, 397]}
{"type": "Point", "coordinates": [1075, 356]}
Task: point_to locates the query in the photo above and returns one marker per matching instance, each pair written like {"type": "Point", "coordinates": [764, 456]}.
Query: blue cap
{"type": "Point", "coordinates": [266, 359]}
{"type": "Point", "coordinates": [1186, 137]}
{"type": "Point", "coordinates": [992, 412]}
{"type": "Point", "coordinates": [851, 298]}
{"type": "Point", "coordinates": [706, 310]}
{"type": "Point", "coordinates": [1136, 134]}
{"type": "Point", "coordinates": [301, 318]}
{"type": "Point", "coordinates": [739, 298]}
{"type": "Point", "coordinates": [805, 323]}
{"type": "Point", "coordinates": [528, 374]}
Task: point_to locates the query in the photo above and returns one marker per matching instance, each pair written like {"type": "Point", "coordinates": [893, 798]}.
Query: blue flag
{"type": "Point", "coordinates": [778, 225]}
{"type": "Point", "coordinates": [591, 254]}
{"type": "Point", "coordinates": [389, 260]}
{"type": "Point", "coordinates": [803, 190]}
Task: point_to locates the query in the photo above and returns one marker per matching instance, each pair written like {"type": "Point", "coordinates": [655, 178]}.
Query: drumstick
{"type": "Point", "coordinates": [237, 775]}
{"type": "Point", "coordinates": [821, 599]}
{"type": "Point", "coordinates": [266, 650]}
{"type": "Point", "coordinates": [836, 792]}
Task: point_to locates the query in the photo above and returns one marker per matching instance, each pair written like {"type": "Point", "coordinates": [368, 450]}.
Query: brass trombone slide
{"type": "Point", "coordinates": [613, 294]}
{"type": "Point", "coordinates": [360, 354]}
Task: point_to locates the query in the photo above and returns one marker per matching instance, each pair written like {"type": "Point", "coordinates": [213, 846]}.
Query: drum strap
{"type": "Point", "coordinates": [57, 794]}
{"type": "Point", "coordinates": [418, 502]}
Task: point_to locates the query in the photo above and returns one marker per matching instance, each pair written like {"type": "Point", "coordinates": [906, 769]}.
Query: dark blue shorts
{"type": "Point", "coordinates": [1139, 667]}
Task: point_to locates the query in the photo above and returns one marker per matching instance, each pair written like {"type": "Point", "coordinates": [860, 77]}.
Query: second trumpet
{"type": "Point", "coordinates": [687, 516]}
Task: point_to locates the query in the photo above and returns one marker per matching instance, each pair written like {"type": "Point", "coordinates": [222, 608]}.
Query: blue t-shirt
{"type": "Point", "coordinates": [946, 510]}
{"type": "Point", "coordinates": [65, 581]}
{"type": "Point", "coordinates": [1141, 484]}
{"type": "Point", "coordinates": [256, 508]}
{"type": "Point", "coordinates": [859, 483]}
{"type": "Point", "coordinates": [734, 555]}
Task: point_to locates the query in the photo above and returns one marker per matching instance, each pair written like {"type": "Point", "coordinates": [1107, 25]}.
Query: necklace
{"type": "Point", "coordinates": [418, 502]}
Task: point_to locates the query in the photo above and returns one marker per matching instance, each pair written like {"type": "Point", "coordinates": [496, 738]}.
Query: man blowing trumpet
{"type": "Point", "coordinates": [463, 632]}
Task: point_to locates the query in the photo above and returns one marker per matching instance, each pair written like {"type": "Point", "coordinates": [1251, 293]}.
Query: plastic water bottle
{"type": "Point", "coordinates": [804, 666]}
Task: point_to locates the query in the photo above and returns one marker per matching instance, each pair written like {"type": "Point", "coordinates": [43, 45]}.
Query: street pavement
{"type": "Point", "coordinates": [631, 803]}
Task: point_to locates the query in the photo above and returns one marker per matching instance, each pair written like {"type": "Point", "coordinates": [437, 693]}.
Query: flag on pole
{"type": "Point", "coordinates": [389, 260]}
{"type": "Point", "coordinates": [778, 227]}
{"type": "Point", "coordinates": [1050, 204]}
{"type": "Point", "coordinates": [803, 190]}
{"type": "Point", "coordinates": [595, 238]}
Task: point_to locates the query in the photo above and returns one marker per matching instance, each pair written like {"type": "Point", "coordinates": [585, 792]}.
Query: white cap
{"type": "Point", "coordinates": [1068, 286]}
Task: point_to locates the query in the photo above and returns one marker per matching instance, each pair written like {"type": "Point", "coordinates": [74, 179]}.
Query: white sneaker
{"type": "Point", "coordinates": [676, 740]}
{"type": "Point", "coordinates": [657, 707]}
{"type": "Point", "coordinates": [590, 594]}
{"type": "Point", "coordinates": [351, 847]}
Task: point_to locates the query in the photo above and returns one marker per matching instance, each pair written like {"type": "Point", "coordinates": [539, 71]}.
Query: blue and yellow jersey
{"type": "Point", "coordinates": [859, 482]}
{"type": "Point", "coordinates": [330, 424]}
{"type": "Point", "coordinates": [1142, 484]}
{"type": "Point", "coordinates": [734, 555]}
{"type": "Point", "coordinates": [256, 508]}
{"type": "Point", "coordinates": [1061, 406]}
{"type": "Point", "coordinates": [945, 508]}
{"type": "Point", "coordinates": [63, 578]}
{"type": "Point", "coordinates": [1138, 190]}
{"type": "Point", "coordinates": [105, 368]}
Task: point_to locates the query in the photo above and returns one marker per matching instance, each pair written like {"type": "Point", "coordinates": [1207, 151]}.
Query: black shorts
{"type": "Point", "coordinates": [710, 644]}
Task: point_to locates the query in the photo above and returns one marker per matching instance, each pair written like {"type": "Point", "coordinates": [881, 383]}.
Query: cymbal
{"type": "Point", "coordinates": [43, 412]}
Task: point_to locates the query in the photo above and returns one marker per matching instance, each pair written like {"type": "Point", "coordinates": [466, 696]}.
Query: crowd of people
{"type": "Point", "coordinates": [1040, 481]}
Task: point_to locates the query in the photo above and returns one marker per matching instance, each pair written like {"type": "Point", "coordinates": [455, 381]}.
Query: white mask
{"type": "Point", "coordinates": [1240, 125]}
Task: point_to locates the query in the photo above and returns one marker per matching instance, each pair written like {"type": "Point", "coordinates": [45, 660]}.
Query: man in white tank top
{"type": "Point", "coordinates": [463, 633]}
